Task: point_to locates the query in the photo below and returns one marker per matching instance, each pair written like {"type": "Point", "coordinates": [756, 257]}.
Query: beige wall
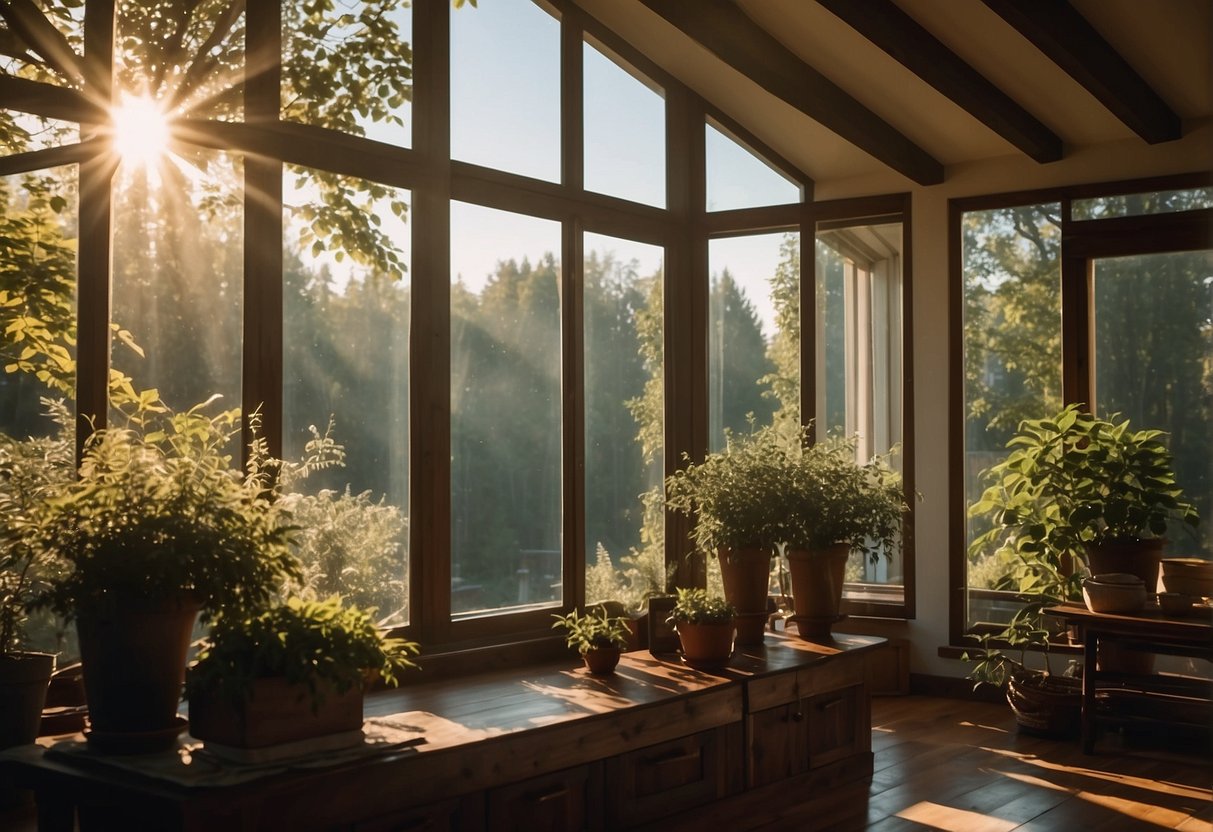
{"type": "Point", "coordinates": [1101, 163]}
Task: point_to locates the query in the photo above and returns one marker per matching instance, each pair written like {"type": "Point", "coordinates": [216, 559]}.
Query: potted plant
{"type": "Point", "coordinates": [1079, 489]}
{"type": "Point", "coordinates": [835, 506]}
{"type": "Point", "coordinates": [289, 672]}
{"type": "Point", "coordinates": [705, 628]}
{"type": "Point", "coordinates": [28, 469]}
{"type": "Point", "coordinates": [737, 497]}
{"type": "Point", "coordinates": [599, 638]}
{"type": "Point", "coordinates": [158, 526]}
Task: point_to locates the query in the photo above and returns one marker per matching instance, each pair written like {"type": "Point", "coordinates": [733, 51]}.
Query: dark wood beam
{"type": "Point", "coordinates": [47, 100]}
{"type": "Point", "coordinates": [726, 31]}
{"type": "Point", "coordinates": [898, 34]}
{"type": "Point", "coordinates": [1066, 38]}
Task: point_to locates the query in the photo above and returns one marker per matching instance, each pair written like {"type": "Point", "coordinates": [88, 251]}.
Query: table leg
{"type": "Point", "coordinates": [1090, 651]}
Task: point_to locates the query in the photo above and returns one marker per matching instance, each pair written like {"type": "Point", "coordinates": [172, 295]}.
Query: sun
{"type": "Point", "coordinates": [141, 131]}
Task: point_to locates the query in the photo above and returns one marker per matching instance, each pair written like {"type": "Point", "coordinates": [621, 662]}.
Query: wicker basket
{"type": "Point", "coordinates": [1046, 705]}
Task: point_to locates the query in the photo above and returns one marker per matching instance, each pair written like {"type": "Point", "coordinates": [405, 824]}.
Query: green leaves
{"type": "Point", "coordinates": [308, 642]}
{"type": "Point", "coordinates": [594, 629]}
{"type": "Point", "coordinates": [767, 488]}
{"type": "Point", "coordinates": [695, 606]}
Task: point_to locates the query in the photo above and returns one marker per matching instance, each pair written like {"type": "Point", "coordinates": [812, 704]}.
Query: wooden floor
{"type": "Point", "coordinates": [961, 766]}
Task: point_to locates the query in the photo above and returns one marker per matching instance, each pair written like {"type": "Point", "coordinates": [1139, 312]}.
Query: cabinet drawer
{"type": "Point", "coordinates": [462, 814]}
{"type": "Point", "coordinates": [835, 725]}
{"type": "Point", "coordinates": [815, 731]}
{"type": "Point", "coordinates": [662, 779]}
{"type": "Point", "coordinates": [565, 801]}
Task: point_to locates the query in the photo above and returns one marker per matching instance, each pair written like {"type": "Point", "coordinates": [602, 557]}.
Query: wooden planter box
{"type": "Point", "coordinates": [278, 714]}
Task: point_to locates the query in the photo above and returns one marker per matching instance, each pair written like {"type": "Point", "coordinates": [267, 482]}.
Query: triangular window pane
{"type": "Point", "coordinates": [624, 132]}
{"type": "Point", "coordinates": [739, 179]}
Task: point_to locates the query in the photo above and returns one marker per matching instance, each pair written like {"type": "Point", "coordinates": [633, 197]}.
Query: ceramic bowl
{"type": "Point", "coordinates": [1188, 576]}
{"type": "Point", "coordinates": [1114, 592]}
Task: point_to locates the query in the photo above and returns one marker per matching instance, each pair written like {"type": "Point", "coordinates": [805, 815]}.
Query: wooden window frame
{"type": "Point", "coordinates": [1081, 242]}
{"type": "Point", "coordinates": [425, 168]}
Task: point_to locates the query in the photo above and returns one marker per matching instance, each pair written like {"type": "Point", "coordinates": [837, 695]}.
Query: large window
{"type": "Point", "coordinates": [1098, 295]}
{"type": "Point", "coordinates": [861, 294]}
{"type": "Point", "coordinates": [450, 249]}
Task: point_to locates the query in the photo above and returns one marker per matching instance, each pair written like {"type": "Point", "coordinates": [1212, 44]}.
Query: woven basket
{"type": "Point", "coordinates": [1046, 705]}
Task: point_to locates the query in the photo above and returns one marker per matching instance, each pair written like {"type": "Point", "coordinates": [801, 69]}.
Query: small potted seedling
{"type": "Point", "coordinates": [705, 628]}
{"type": "Point", "coordinates": [599, 638]}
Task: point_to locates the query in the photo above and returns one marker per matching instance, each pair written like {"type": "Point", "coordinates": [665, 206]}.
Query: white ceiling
{"type": "Point", "coordinates": [1168, 42]}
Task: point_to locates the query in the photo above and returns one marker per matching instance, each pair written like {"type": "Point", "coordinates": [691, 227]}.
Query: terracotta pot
{"type": "Point", "coordinates": [746, 573]}
{"type": "Point", "coordinates": [706, 646]}
{"type": "Point", "coordinates": [1136, 557]}
{"type": "Point", "coordinates": [817, 577]}
{"type": "Point", "coordinates": [133, 655]}
{"type": "Point", "coordinates": [601, 661]}
{"type": "Point", "coordinates": [24, 678]}
{"type": "Point", "coordinates": [276, 712]}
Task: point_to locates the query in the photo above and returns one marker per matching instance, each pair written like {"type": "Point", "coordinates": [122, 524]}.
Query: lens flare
{"type": "Point", "coordinates": [141, 131]}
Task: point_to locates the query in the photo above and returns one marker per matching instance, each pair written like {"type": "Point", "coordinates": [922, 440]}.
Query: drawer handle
{"type": "Point", "coordinates": [677, 756]}
{"type": "Point", "coordinates": [798, 716]}
{"type": "Point", "coordinates": [548, 796]}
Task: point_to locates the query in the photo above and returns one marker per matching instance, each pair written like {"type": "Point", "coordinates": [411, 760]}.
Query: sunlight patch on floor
{"type": "Point", "coordinates": [1160, 786]}
{"type": "Point", "coordinates": [949, 819]}
{"type": "Point", "coordinates": [1158, 815]}
{"type": "Point", "coordinates": [967, 724]}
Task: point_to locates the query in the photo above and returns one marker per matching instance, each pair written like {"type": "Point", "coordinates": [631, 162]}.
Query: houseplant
{"type": "Point", "coordinates": [1071, 484]}
{"type": "Point", "coordinates": [835, 506]}
{"type": "Point", "coordinates": [288, 672]}
{"type": "Point", "coordinates": [737, 497]}
{"type": "Point", "coordinates": [28, 469]}
{"type": "Point", "coordinates": [158, 526]}
{"type": "Point", "coordinates": [598, 637]}
{"type": "Point", "coordinates": [1077, 489]}
{"type": "Point", "coordinates": [705, 628]}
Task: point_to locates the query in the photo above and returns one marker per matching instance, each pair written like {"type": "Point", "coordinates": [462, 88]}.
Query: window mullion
{"type": "Point", "coordinates": [94, 278]}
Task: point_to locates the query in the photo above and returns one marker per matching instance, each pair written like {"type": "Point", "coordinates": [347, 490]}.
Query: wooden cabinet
{"type": "Point", "coordinates": [673, 776]}
{"type": "Point", "coordinates": [565, 801]}
{"type": "Point", "coordinates": [545, 748]}
{"type": "Point", "coordinates": [464, 814]}
{"type": "Point", "coordinates": [806, 719]}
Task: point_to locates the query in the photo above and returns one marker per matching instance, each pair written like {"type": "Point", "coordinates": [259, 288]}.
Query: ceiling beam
{"type": "Point", "coordinates": [725, 31]}
{"type": "Point", "coordinates": [902, 37]}
{"type": "Point", "coordinates": [1058, 30]}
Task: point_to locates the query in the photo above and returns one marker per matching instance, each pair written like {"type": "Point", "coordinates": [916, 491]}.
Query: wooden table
{"type": "Point", "coordinates": [547, 747]}
{"type": "Point", "coordinates": [1113, 695]}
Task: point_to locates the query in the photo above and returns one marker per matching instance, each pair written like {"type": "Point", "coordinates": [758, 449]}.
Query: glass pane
{"type": "Point", "coordinates": [624, 131]}
{"type": "Point", "coordinates": [38, 224]}
{"type": "Point", "coordinates": [22, 132]}
{"type": "Point", "coordinates": [1154, 365]}
{"type": "Point", "coordinates": [753, 333]}
{"type": "Point", "coordinates": [1012, 355]}
{"type": "Point", "coordinates": [859, 342]}
{"type": "Point", "coordinates": [505, 87]}
{"type": "Point", "coordinates": [505, 411]}
{"type": "Point", "coordinates": [178, 247]}
{"type": "Point", "coordinates": [346, 365]}
{"type": "Point", "coordinates": [1129, 205]}
{"type": "Point", "coordinates": [737, 178]}
{"type": "Point", "coordinates": [349, 66]}
{"type": "Point", "coordinates": [624, 420]}
{"type": "Point", "coordinates": [53, 60]}
{"type": "Point", "coordinates": [204, 75]}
